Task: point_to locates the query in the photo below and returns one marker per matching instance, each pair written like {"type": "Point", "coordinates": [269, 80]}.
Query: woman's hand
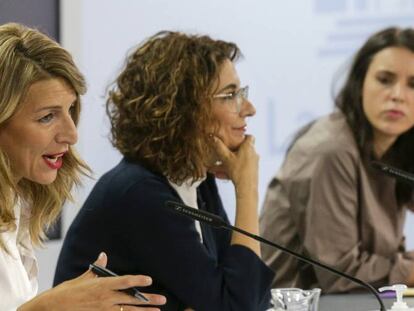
{"type": "Point", "coordinates": [88, 292]}
{"type": "Point", "coordinates": [240, 166]}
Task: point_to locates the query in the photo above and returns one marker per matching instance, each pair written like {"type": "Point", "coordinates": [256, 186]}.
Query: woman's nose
{"type": "Point", "coordinates": [398, 92]}
{"type": "Point", "coordinates": [248, 109]}
{"type": "Point", "coordinates": [68, 133]}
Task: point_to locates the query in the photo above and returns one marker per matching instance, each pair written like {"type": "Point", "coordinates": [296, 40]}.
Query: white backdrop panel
{"type": "Point", "coordinates": [292, 52]}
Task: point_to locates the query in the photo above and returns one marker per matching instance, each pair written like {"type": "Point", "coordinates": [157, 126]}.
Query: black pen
{"type": "Point", "coordinates": [132, 291]}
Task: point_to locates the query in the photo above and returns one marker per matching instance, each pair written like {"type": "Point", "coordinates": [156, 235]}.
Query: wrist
{"type": "Point", "coordinates": [38, 303]}
{"type": "Point", "coordinates": [247, 190]}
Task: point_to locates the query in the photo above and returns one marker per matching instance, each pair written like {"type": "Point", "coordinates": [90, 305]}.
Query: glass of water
{"type": "Point", "coordinates": [295, 299]}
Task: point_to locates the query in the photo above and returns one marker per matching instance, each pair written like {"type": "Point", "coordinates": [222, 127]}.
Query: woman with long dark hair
{"type": "Point", "coordinates": [327, 201]}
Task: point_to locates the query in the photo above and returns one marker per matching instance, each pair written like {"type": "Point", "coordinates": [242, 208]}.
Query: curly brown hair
{"type": "Point", "coordinates": [160, 106]}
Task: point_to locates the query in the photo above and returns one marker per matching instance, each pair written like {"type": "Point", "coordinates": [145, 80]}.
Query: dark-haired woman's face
{"type": "Point", "coordinates": [232, 120]}
{"type": "Point", "coordinates": [388, 93]}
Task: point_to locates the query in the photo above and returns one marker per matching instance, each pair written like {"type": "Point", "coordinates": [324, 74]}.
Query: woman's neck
{"type": "Point", "coordinates": [382, 143]}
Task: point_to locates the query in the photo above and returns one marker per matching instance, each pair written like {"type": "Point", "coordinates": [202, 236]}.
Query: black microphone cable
{"type": "Point", "coordinates": [218, 222]}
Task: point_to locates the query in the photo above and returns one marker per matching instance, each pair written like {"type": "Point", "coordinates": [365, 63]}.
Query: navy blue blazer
{"type": "Point", "coordinates": [125, 216]}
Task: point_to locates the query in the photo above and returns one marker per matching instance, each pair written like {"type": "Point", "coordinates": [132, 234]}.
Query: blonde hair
{"type": "Point", "coordinates": [28, 56]}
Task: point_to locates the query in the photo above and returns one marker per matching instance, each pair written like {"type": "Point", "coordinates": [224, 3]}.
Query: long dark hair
{"type": "Point", "coordinates": [349, 101]}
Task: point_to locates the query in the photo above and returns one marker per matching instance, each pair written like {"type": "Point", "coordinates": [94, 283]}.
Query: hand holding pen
{"type": "Point", "coordinates": [91, 293]}
{"type": "Point", "coordinates": [104, 272]}
{"type": "Point", "coordinates": [98, 269]}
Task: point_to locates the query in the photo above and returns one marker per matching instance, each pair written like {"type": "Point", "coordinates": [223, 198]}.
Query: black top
{"type": "Point", "coordinates": [125, 216]}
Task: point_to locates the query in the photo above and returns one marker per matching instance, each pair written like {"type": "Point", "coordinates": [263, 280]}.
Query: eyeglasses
{"type": "Point", "coordinates": [235, 99]}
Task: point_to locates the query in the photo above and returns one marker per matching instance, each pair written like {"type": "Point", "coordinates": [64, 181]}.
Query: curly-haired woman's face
{"type": "Point", "coordinates": [37, 137]}
{"type": "Point", "coordinates": [233, 123]}
{"type": "Point", "coordinates": [388, 94]}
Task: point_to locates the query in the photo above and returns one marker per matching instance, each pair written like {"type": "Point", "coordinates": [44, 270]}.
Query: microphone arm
{"type": "Point", "coordinates": [401, 175]}
{"type": "Point", "coordinates": [218, 222]}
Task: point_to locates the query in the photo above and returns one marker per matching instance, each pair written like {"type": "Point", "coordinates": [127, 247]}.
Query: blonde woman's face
{"type": "Point", "coordinates": [37, 137]}
{"type": "Point", "coordinates": [232, 123]}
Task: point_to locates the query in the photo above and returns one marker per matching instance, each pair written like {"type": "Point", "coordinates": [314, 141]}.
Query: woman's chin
{"type": "Point", "coordinates": [235, 144]}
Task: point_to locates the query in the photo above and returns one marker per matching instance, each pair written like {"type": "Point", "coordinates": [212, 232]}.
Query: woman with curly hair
{"type": "Point", "coordinates": [40, 89]}
{"type": "Point", "coordinates": [327, 201]}
{"type": "Point", "coordinates": [178, 116]}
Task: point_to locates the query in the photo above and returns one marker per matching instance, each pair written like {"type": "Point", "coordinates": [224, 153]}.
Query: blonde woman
{"type": "Point", "coordinates": [39, 108]}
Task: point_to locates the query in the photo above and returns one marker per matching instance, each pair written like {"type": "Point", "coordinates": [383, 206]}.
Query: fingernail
{"type": "Point", "coordinates": [101, 255]}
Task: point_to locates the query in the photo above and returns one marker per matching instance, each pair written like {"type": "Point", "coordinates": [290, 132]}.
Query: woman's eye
{"type": "Point", "coordinates": [230, 96]}
{"type": "Point", "coordinates": [47, 118]}
{"type": "Point", "coordinates": [384, 80]}
{"type": "Point", "coordinates": [72, 110]}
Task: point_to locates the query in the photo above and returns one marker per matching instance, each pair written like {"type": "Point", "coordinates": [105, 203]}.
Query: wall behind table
{"type": "Point", "coordinates": [292, 50]}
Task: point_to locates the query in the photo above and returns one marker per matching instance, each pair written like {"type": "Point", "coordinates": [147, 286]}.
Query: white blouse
{"type": "Point", "coordinates": [18, 266]}
{"type": "Point", "coordinates": [188, 193]}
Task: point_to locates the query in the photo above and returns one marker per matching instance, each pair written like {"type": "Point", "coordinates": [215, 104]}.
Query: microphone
{"type": "Point", "coordinates": [218, 222]}
{"type": "Point", "coordinates": [401, 175]}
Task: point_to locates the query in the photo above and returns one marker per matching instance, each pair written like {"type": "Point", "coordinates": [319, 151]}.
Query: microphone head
{"type": "Point", "coordinates": [196, 214]}
{"type": "Point", "coordinates": [394, 172]}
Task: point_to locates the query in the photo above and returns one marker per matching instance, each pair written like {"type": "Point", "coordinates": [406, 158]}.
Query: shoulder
{"type": "Point", "coordinates": [129, 171]}
{"type": "Point", "coordinates": [329, 134]}
{"type": "Point", "coordinates": [327, 144]}
{"type": "Point", "coordinates": [127, 175]}
{"type": "Point", "coordinates": [129, 196]}
{"type": "Point", "coordinates": [128, 184]}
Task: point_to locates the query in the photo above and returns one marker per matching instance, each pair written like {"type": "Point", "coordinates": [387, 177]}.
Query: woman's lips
{"type": "Point", "coordinates": [240, 129]}
{"type": "Point", "coordinates": [394, 114]}
{"type": "Point", "coordinates": [54, 161]}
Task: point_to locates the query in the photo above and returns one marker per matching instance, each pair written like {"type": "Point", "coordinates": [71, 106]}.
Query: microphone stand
{"type": "Point", "coordinates": [310, 261]}
{"type": "Point", "coordinates": [218, 222]}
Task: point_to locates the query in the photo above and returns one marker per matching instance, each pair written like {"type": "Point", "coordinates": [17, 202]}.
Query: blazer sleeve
{"type": "Point", "coordinates": [330, 229]}
{"type": "Point", "coordinates": [167, 246]}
